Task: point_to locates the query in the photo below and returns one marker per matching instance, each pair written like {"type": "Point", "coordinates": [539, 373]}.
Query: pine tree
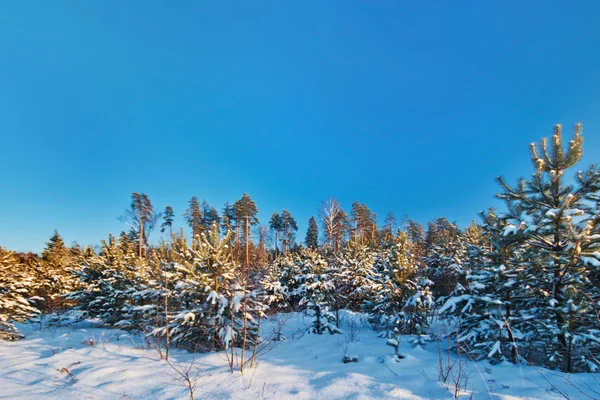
{"type": "Point", "coordinates": [108, 283]}
{"type": "Point", "coordinates": [445, 255]}
{"type": "Point", "coordinates": [288, 227]}
{"type": "Point", "coordinates": [364, 223]}
{"type": "Point", "coordinates": [481, 301]}
{"type": "Point", "coordinates": [414, 317]}
{"type": "Point", "coordinates": [141, 218]}
{"type": "Point", "coordinates": [228, 221]}
{"type": "Point", "coordinates": [416, 235]}
{"type": "Point", "coordinates": [291, 279]}
{"type": "Point", "coordinates": [277, 293]}
{"type": "Point", "coordinates": [261, 255]}
{"type": "Point", "coordinates": [559, 224]}
{"type": "Point", "coordinates": [168, 218]}
{"type": "Point", "coordinates": [387, 233]}
{"type": "Point", "coordinates": [16, 286]}
{"type": "Point", "coordinates": [54, 274]}
{"type": "Point", "coordinates": [218, 310]}
{"type": "Point", "coordinates": [316, 292]}
{"type": "Point", "coordinates": [312, 234]}
{"type": "Point", "coordinates": [193, 216]}
{"type": "Point", "coordinates": [275, 226]}
{"type": "Point", "coordinates": [210, 216]}
{"type": "Point", "coordinates": [400, 301]}
{"type": "Point", "coordinates": [56, 251]}
{"type": "Point", "coordinates": [246, 211]}
{"type": "Point", "coordinates": [354, 275]}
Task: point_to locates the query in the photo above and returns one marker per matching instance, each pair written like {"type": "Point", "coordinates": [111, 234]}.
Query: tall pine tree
{"type": "Point", "coordinates": [312, 234]}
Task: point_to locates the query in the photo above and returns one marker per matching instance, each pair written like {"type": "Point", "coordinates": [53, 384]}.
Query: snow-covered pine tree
{"type": "Point", "coordinates": [414, 317]}
{"type": "Point", "coordinates": [203, 291]}
{"type": "Point", "coordinates": [389, 308]}
{"type": "Point", "coordinates": [482, 302]}
{"type": "Point", "coordinates": [559, 222]}
{"type": "Point", "coordinates": [276, 292]}
{"type": "Point", "coordinates": [316, 291]}
{"type": "Point", "coordinates": [108, 282]}
{"type": "Point", "coordinates": [354, 275]}
{"type": "Point", "coordinates": [215, 306]}
{"type": "Point", "coordinates": [291, 278]}
{"type": "Point", "coordinates": [247, 309]}
{"type": "Point", "coordinates": [312, 234]}
{"type": "Point", "coordinates": [54, 275]}
{"type": "Point", "coordinates": [16, 286]}
{"type": "Point", "coordinates": [444, 256]}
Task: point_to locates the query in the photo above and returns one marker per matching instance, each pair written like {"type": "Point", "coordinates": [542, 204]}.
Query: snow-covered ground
{"type": "Point", "coordinates": [87, 362]}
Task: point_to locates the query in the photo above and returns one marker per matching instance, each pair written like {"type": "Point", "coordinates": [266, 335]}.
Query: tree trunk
{"type": "Point", "coordinates": [247, 240]}
{"type": "Point", "coordinates": [141, 238]}
{"type": "Point", "coordinates": [237, 243]}
{"type": "Point", "coordinates": [167, 339]}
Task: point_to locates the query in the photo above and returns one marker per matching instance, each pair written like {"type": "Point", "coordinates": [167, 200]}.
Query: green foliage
{"type": "Point", "coordinates": [193, 216]}
{"type": "Point", "coordinates": [316, 291]}
{"type": "Point", "coordinates": [168, 218]}
{"type": "Point", "coordinates": [16, 288]}
{"type": "Point", "coordinates": [141, 218]}
{"type": "Point", "coordinates": [312, 234]}
{"type": "Point", "coordinates": [533, 289]}
{"type": "Point", "coordinates": [54, 274]}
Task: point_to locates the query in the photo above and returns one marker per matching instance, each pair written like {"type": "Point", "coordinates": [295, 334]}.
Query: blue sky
{"type": "Point", "coordinates": [408, 107]}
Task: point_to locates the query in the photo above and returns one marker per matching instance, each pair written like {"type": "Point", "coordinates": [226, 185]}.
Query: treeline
{"type": "Point", "coordinates": [521, 286]}
{"type": "Point", "coordinates": [253, 243]}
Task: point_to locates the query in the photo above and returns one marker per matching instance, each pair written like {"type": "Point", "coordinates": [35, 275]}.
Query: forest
{"type": "Point", "coordinates": [520, 284]}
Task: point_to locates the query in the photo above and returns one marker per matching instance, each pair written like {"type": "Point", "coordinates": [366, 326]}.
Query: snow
{"type": "Point", "coordinates": [510, 230]}
{"type": "Point", "coordinates": [84, 361]}
{"type": "Point", "coordinates": [590, 261]}
{"type": "Point", "coordinates": [495, 349]}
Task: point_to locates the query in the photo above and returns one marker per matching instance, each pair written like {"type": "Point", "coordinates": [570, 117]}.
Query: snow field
{"type": "Point", "coordinates": [85, 361]}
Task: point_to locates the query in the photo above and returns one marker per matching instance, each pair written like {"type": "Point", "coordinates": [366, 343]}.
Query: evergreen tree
{"type": "Point", "coordinates": [533, 293]}
{"type": "Point", "coordinates": [316, 292]}
{"type": "Point", "coordinates": [354, 275]}
{"type": "Point", "coordinates": [559, 225]}
{"type": "Point", "coordinates": [483, 303]}
{"type": "Point", "coordinates": [312, 234]}
{"type": "Point", "coordinates": [261, 255]}
{"type": "Point", "coordinates": [109, 281]}
{"type": "Point", "coordinates": [364, 223]}
{"type": "Point", "coordinates": [193, 216]}
{"type": "Point", "coordinates": [387, 232]}
{"type": "Point", "coordinates": [141, 218]}
{"type": "Point", "coordinates": [291, 277]}
{"type": "Point", "coordinates": [414, 317]}
{"type": "Point", "coordinates": [168, 218]}
{"type": "Point", "coordinates": [445, 256]}
{"type": "Point", "coordinates": [56, 251]}
{"type": "Point", "coordinates": [54, 274]}
{"type": "Point", "coordinates": [416, 235]}
{"type": "Point", "coordinates": [210, 216]}
{"type": "Point", "coordinates": [228, 222]}
{"type": "Point", "coordinates": [275, 226]}
{"type": "Point", "coordinates": [16, 285]}
{"type": "Point", "coordinates": [246, 211]}
{"type": "Point", "coordinates": [392, 286]}
{"type": "Point", "coordinates": [219, 311]}
{"type": "Point", "coordinates": [276, 292]}
{"type": "Point", "coordinates": [288, 227]}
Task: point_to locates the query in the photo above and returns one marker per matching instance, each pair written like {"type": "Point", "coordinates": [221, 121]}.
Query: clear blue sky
{"type": "Point", "coordinates": [413, 107]}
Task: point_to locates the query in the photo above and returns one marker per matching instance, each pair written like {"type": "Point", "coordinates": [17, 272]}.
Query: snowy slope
{"type": "Point", "coordinates": [61, 363]}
